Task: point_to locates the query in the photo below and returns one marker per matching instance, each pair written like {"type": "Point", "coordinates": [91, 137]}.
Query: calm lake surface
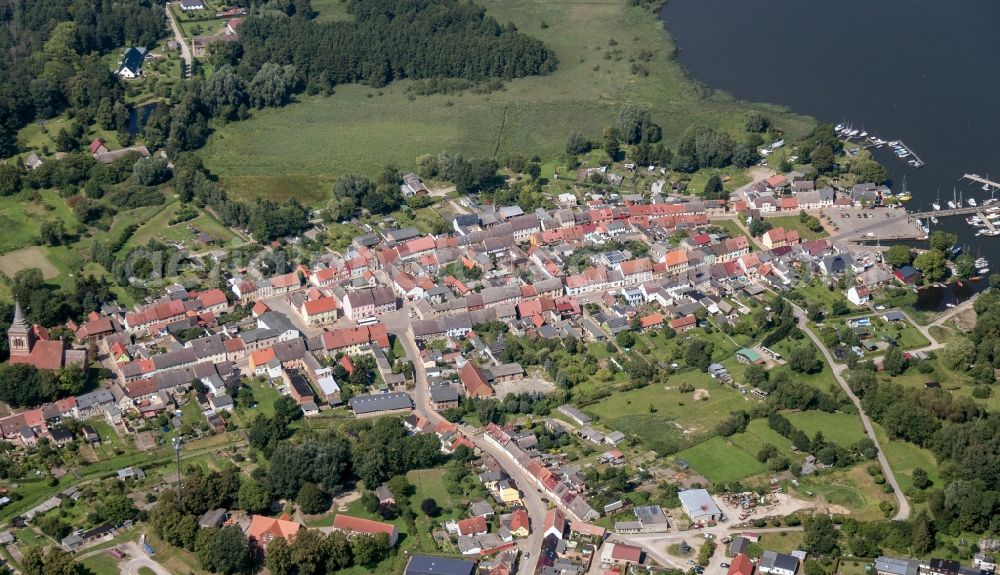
{"type": "Point", "coordinates": [921, 71]}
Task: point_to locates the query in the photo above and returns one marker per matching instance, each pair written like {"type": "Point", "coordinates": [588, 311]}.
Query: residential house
{"type": "Point", "coordinates": [774, 563]}
{"type": "Point", "coordinates": [357, 526]}
{"type": "Point", "coordinates": [131, 63]}
{"type": "Point", "coordinates": [263, 530]}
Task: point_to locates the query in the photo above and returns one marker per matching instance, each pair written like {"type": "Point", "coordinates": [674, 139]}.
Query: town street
{"type": "Point", "coordinates": [531, 499]}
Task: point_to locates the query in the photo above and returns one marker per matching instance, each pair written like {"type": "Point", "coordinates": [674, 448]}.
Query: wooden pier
{"type": "Point", "coordinates": [920, 163]}
{"type": "Point", "coordinates": [981, 180]}
{"type": "Point", "coordinates": [989, 224]}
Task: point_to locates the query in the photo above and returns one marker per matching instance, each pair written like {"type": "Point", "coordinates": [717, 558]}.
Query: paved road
{"type": "Point", "coordinates": [137, 559]}
{"type": "Point", "coordinates": [838, 369]}
{"type": "Point", "coordinates": [531, 499]}
{"type": "Point", "coordinates": [182, 44]}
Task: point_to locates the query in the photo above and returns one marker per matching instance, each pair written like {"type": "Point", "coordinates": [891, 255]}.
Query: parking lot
{"type": "Point", "coordinates": [873, 223]}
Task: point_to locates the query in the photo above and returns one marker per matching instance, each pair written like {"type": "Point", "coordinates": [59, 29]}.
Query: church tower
{"type": "Point", "coordinates": [20, 336]}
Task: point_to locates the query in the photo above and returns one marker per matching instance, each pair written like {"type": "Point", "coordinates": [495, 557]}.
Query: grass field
{"type": "Point", "coordinates": [843, 429]}
{"type": "Point", "coordinates": [158, 227]}
{"type": "Point", "coordinates": [663, 418]}
{"type": "Point", "coordinates": [852, 489]}
{"type": "Point", "coordinates": [904, 457]}
{"type": "Point", "coordinates": [300, 149]}
{"type": "Point", "coordinates": [101, 564]}
{"type": "Point", "coordinates": [721, 461]}
{"type": "Point", "coordinates": [24, 258]}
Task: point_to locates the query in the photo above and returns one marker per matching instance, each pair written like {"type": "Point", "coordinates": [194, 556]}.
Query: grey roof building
{"type": "Point", "coordinates": [428, 565]}
{"type": "Point", "coordinates": [367, 405]}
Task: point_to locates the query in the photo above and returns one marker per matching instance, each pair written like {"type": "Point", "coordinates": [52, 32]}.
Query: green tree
{"type": "Point", "coordinates": [894, 360]}
{"type": "Point", "coordinates": [278, 559]}
{"type": "Point", "coordinates": [942, 241]}
{"type": "Point", "coordinates": [117, 509]}
{"type": "Point", "coordinates": [899, 256]}
{"type": "Point", "coordinates": [803, 359]}
{"type": "Point", "coordinates": [755, 122]}
{"type": "Point", "coordinates": [430, 507]}
{"type": "Point", "coordinates": [369, 550]}
{"type": "Point", "coordinates": [713, 189]}
{"type": "Point", "coordinates": [920, 478]}
{"type": "Point", "coordinates": [577, 143]}
{"type": "Point", "coordinates": [252, 497]}
{"type": "Point", "coordinates": [872, 171]}
{"type": "Point", "coordinates": [923, 534]}
{"type": "Point", "coordinates": [312, 500]}
{"type": "Point", "coordinates": [625, 339]}
{"type": "Point", "coordinates": [932, 265]}
{"type": "Point", "coordinates": [10, 179]}
{"type": "Point", "coordinates": [822, 158]}
{"type": "Point", "coordinates": [699, 353]}
{"type": "Point", "coordinates": [965, 266]}
{"type": "Point", "coordinates": [959, 353]}
{"type": "Point", "coordinates": [820, 535]}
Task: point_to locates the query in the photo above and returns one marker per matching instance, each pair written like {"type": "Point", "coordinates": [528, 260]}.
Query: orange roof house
{"type": "Point", "coordinates": [683, 324]}
{"type": "Point", "coordinates": [520, 523]}
{"type": "Point", "coordinates": [474, 381]}
{"type": "Point", "coordinates": [651, 320]}
{"type": "Point", "coordinates": [472, 526]}
{"type": "Point", "coordinates": [263, 530]}
{"type": "Point", "coordinates": [260, 358]}
{"type": "Point", "coordinates": [358, 526]}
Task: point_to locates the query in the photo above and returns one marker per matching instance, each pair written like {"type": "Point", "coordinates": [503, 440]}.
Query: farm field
{"type": "Point", "coordinates": [360, 129]}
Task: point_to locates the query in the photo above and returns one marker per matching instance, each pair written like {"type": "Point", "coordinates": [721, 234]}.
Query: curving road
{"type": "Point", "coordinates": [838, 370]}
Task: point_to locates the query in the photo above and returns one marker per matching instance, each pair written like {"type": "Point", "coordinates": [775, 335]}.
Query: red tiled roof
{"type": "Point", "coordinates": [320, 306]}
{"type": "Point", "coordinates": [740, 565]}
{"type": "Point", "coordinates": [358, 525]}
{"type": "Point", "coordinates": [685, 321]}
{"type": "Point", "coordinates": [472, 526]}
{"type": "Point", "coordinates": [213, 297]}
{"type": "Point", "coordinates": [474, 381]}
{"type": "Point", "coordinates": [626, 553]}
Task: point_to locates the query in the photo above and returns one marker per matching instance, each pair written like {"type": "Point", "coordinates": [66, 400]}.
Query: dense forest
{"type": "Point", "coordinates": [394, 39]}
{"type": "Point", "coordinates": [50, 61]}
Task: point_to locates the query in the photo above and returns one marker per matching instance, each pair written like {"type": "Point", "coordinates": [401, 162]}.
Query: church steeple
{"type": "Point", "coordinates": [20, 336]}
{"type": "Point", "coordinates": [18, 316]}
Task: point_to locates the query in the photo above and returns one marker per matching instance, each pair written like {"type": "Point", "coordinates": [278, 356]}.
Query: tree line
{"type": "Point", "coordinates": [394, 39]}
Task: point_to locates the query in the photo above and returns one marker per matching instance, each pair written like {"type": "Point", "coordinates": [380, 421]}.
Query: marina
{"type": "Point", "coordinates": [847, 133]}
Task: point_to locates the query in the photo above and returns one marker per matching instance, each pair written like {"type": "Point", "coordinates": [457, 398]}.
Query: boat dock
{"type": "Point", "coordinates": [981, 180]}
{"type": "Point", "coordinates": [989, 225]}
{"type": "Point", "coordinates": [916, 162]}
{"type": "Point", "coordinates": [865, 140]}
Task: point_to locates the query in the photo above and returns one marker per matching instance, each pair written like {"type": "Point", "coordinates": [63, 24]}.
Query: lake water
{"type": "Point", "coordinates": [921, 71]}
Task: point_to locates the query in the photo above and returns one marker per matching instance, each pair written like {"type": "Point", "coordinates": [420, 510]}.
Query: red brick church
{"type": "Point", "coordinates": [31, 345]}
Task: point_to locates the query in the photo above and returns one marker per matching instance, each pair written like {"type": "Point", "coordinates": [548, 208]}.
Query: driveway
{"type": "Point", "coordinates": [137, 559]}
{"type": "Point", "coordinates": [181, 43]}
